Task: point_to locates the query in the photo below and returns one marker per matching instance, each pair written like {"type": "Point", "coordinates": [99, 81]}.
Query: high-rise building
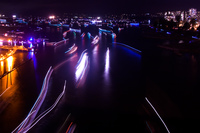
{"type": "Point", "coordinates": [193, 13]}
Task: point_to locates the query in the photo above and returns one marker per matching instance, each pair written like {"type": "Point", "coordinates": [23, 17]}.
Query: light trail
{"type": "Point", "coordinates": [69, 127]}
{"type": "Point", "coordinates": [81, 57]}
{"type": "Point", "coordinates": [107, 61]}
{"type": "Point", "coordinates": [81, 67]}
{"type": "Point", "coordinates": [72, 49]}
{"type": "Point", "coordinates": [4, 91]}
{"type": "Point", "coordinates": [157, 114]}
{"type": "Point", "coordinates": [95, 40]}
{"type": "Point", "coordinates": [66, 120]}
{"type": "Point", "coordinates": [72, 128]}
{"type": "Point", "coordinates": [55, 44]}
{"type": "Point", "coordinates": [134, 49]}
{"type": "Point", "coordinates": [75, 30]}
{"type": "Point", "coordinates": [65, 33]}
{"type": "Point", "coordinates": [30, 118]}
{"type": "Point", "coordinates": [43, 114]}
{"type": "Point", "coordinates": [7, 55]}
{"type": "Point", "coordinates": [107, 31]}
{"type": "Point", "coordinates": [23, 121]}
{"type": "Point", "coordinates": [83, 35]}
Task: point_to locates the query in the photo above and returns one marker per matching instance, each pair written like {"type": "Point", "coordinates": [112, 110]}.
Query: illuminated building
{"type": "Point", "coordinates": [193, 13]}
{"type": "Point", "coordinates": [169, 16]}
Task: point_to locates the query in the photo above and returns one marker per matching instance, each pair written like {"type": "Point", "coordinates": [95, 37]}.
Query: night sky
{"type": "Point", "coordinates": [46, 7]}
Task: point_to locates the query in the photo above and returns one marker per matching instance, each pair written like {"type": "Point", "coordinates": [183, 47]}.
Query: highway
{"type": "Point", "coordinates": [104, 88]}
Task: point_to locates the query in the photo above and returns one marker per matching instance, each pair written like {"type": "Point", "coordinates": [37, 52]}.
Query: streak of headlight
{"type": "Point", "coordinates": [95, 40]}
{"type": "Point", "coordinates": [72, 128]}
{"type": "Point", "coordinates": [82, 65]}
{"type": "Point", "coordinates": [81, 57]}
{"type": "Point", "coordinates": [46, 111]}
{"type": "Point", "coordinates": [5, 91]}
{"type": "Point", "coordinates": [157, 114]}
{"type": "Point", "coordinates": [71, 50]}
{"type": "Point", "coordinates": [10, 62]}
{"type": "Point", "coordinates": [75, 30]}
{"type": "Point", "coordinates": [134, 49]}
{"type": "Point", "coordinates": [107, 60]}
{"type": "Point", "coordinates": [69, 127]}
{"type": "Point", "coordinates": [66, 120]}
{"type": "Point", "coordinates": [83, 35]}
{"type": "Point", "coordinates": [55, 44]}
{"type": "Point", "coordinates": [39, 100]}
{"type": "Point", "coordinates": [2, 67]}
{"type": "Point", "coordinates": [23, 121]}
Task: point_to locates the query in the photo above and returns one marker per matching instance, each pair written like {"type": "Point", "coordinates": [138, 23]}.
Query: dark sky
{"type": "Point", "coordinates": [46, 7]}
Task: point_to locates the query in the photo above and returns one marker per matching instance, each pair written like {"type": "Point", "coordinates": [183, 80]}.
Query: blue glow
{"type": "Point", "coordinates": [134, 24]}
{"type": "Point", "coordinates": [31, 39]}
{"type": "Point", "coordinates": [133, 49]}
{"type": "Point", "coordinates": [195, 37]}
{"type": "Point", "coordinates": [103, 30]}
{"type": "Point", "coordinates": [65, 25]}
{"type": "Point", "coordinates": [89, 35]}
{"type": "Point", "coordinates": [75, 30]}
{"type": "Point", "coordinates": [169, 33]}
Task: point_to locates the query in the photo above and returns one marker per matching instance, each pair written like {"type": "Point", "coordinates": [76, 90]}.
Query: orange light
{"type": "Point", "coordinates": [10, 63]}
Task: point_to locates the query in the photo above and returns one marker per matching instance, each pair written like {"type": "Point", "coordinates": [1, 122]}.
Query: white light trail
{"type": "Point", "coordinates": [95, 40]}
{"type": "Point", "coordinates": [43, 114]}
{"type": "Point", "coordinates": [37, 104]}
{"type": "Point", "coordinates": [5, 91]}
{"type": "Point", "coordinates": [55, 44]}
{"type": "Point", "coordinates": [71, 49]}
{"type": "Point", "coordinates": [107, 61]}
{"type": "Point", "coordinates": [81, 67]}
{"type": "Point", "coordinates": [157, 114]}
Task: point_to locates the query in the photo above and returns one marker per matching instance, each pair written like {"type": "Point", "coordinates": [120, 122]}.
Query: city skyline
{"type": "Point", "coordinates": [22, 7]}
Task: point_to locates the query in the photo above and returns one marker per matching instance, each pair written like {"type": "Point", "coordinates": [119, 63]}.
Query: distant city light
{"type": "Point", "coordinates": [14, 16]}
{"type": "Point", "coordinates": [51, 17]}
{"type": "Point", "coordinates": [9, 40]}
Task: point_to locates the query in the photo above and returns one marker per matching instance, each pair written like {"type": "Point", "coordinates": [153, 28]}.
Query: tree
{"type": "Point", "coordinates": [193, 22]}
{"type": "Point", "coordinates": [186, 26]}
{"type": "Point", "coordinates": [178, 19]}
